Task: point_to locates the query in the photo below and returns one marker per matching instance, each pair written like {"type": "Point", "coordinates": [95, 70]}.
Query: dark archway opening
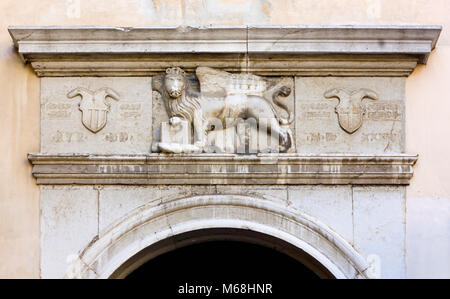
{"type": "Point", "coordinates": [223, 260]}
{"type": "Point", "coordinates": [222, 254]}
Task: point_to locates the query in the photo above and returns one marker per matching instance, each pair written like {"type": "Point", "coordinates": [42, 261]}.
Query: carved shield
{"type": "Point", "coordinates": [94, 119]}
{"type": "Point", "coordinates": [350, 118]}
{"type": "Point", "coordinates": [93, 106]}
{"type": "Point", "coordinates": [349, 110]}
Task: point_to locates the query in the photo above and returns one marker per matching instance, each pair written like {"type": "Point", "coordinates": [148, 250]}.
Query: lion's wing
{"type": "Point", "coordinates": [212, 80]}
{"type": "Point", "coordinates": [216, 81]}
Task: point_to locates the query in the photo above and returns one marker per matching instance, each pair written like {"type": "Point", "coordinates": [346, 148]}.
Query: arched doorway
{"type": "Point", "coordinates": [151, 230]}
{"type": "Point", "coordinates": [222, 254]}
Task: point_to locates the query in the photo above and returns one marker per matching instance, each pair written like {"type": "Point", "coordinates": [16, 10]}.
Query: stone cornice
{"type": "Point", "coordinates": [270, 169]}
{"type": "Point", "coordinates": [269, 50]}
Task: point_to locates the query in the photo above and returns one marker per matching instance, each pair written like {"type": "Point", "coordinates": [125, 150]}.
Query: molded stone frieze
{"type": "Point", "coordinates": [211, 169]}
{"type": "Point", "coordinates": [94, 106]}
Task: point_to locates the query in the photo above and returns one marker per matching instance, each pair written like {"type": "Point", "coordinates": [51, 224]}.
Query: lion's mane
{"type": "Point", "coordinates": [184, 106]}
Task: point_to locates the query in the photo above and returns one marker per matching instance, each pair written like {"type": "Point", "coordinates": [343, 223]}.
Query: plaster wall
{"type": "Point", "coordinates": [427, 108]}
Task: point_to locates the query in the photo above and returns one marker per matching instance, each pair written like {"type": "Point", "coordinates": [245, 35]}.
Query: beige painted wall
{"type": "Point", "coordinates": [427, 104]}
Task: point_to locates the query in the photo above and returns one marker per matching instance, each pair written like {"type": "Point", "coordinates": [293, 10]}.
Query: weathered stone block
{"type": "Point", "coordinates": [68, 223]}
{"type": "Point", "coordinates": [331, 205]}
{"type": "Point", "coordinates": [379, 228]}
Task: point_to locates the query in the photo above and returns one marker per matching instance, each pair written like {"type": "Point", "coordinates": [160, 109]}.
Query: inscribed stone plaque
{"type": "Point", "coordinates": [322, 126]}
{"type": "Point", "coordinates": [110, 115]}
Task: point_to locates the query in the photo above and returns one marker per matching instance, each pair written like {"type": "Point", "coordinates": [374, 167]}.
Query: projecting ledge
{"type": "Point", "coordinates": [264, 50]}
{"type": "Point", "coordinates": [281, 169]}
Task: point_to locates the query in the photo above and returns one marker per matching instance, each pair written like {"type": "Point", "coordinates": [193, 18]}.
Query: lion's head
{"type": "Point", "coordinates": [174, 82]}
{"type": "Point", "coordinates": [178, 103]}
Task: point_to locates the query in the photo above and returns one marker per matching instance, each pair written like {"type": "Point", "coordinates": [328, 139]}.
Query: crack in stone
{"type": "Point", "coordinates": [390, 137]}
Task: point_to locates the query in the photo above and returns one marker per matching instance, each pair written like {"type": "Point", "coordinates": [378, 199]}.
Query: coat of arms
{"type": "Point", "coordinates": [349, 110]}
{"type": "Point", "coordinates": [94, 106]}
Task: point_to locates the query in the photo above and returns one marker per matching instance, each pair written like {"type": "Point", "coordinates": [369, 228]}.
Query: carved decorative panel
{"type": "Point", "coordinates": [234, 113]}
{"type": "Point", "coordinates": [341, 115]}
{"type": "Point", "coordinates": [122, 126]}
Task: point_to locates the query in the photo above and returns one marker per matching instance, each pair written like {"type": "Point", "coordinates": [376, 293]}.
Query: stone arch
{"type": "Point", "coordinates": [148, 225]}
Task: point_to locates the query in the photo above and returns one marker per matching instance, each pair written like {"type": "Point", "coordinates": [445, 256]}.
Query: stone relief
{"type": "Point", "coordinates": [349, 110]}
{"type": "Point", "coordinates": [94, 106]}
{"type": "Point", "coordinates": [215, 101]}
